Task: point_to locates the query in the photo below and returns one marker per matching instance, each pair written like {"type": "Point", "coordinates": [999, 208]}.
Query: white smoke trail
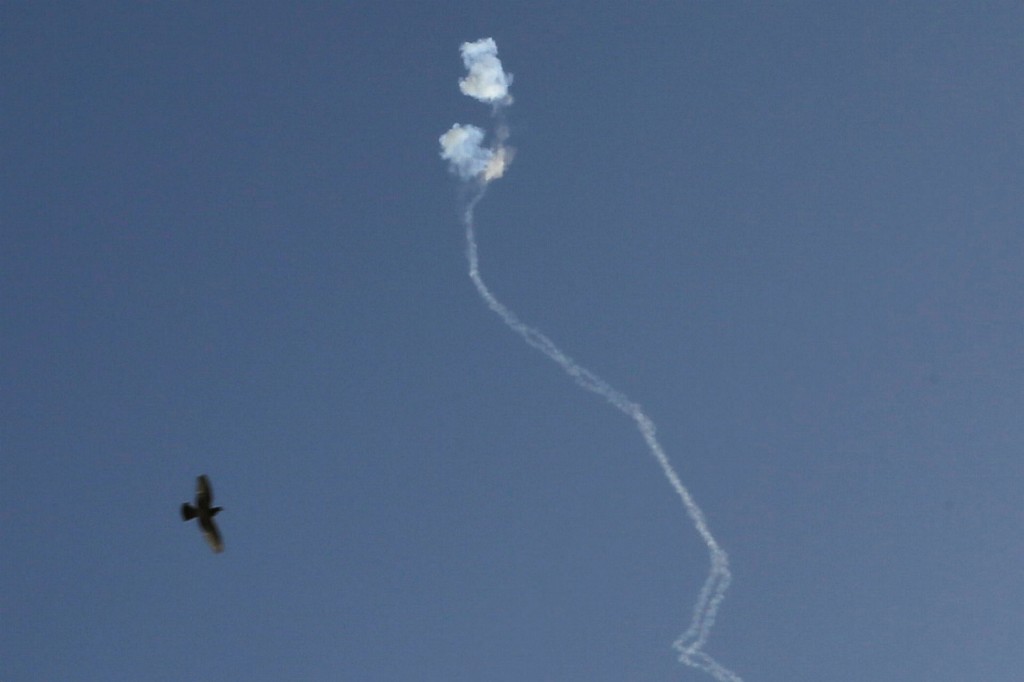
{"type": "Point", "coordinates": [461, 146]}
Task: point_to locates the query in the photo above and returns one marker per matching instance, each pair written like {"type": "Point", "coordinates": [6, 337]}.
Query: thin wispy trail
{"type": "Point", "coordinates": [462, 147]}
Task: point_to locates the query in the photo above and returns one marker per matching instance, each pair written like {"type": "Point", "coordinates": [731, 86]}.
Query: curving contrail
{"type": "Point", "coordinates": [462, 147]}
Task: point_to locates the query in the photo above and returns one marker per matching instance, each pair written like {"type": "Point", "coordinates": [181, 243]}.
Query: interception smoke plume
{"type": "Point", "coordinates": [462, 147]}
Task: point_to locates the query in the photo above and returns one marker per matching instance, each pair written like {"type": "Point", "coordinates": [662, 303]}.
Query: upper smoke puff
{"type": "Point", "coordinates": [486, 81]}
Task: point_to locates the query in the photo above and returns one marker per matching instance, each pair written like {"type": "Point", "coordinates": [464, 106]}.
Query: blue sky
{"type": "Point", "coordinates": [791, 232]}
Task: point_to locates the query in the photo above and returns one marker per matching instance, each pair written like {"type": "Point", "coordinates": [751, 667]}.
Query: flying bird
{"type": "Point", "coordinates": [205, 513]}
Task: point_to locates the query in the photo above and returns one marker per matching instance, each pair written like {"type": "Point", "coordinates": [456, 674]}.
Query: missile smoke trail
{"type": "Point", "coordinates": [462, 147]}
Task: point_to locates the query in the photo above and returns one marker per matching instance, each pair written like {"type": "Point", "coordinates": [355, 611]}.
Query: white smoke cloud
{"type": "Point", "coordinates": [463, 146]}
{"type": "Point", "coordinates": [486, 81]}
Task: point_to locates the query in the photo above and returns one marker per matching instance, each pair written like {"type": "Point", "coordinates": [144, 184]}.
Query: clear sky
{"type": "Point", "coordinates": [793, 233]}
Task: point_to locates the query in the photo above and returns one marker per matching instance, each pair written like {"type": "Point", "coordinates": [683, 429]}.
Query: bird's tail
{"type": "Point", "coordinates": [188, 512]}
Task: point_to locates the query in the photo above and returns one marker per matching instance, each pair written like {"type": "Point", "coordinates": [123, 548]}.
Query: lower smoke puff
{"type": "Point", "coordinates": [462, 147]}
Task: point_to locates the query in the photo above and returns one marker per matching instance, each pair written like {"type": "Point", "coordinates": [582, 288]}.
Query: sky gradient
{"type": "Point", "coordinates": [791, 233]}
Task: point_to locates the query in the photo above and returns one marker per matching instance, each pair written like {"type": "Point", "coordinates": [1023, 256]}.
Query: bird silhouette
{"type": "Point", "coordinates": [205, 513]}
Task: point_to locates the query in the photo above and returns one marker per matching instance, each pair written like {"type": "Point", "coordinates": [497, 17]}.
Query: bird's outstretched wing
{"type": "Point", "coordinates": [212, 535]}
{"type": "Point", "coordinates": [204, 491]}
